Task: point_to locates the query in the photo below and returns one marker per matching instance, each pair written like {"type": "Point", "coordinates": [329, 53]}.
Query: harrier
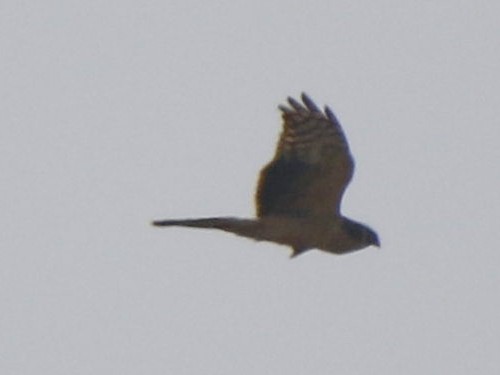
{"type": "Point", "coordinates": [299, 192]}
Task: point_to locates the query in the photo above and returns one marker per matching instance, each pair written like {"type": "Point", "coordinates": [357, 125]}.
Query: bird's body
{"type": "Point", "coordinates": [299, 192]}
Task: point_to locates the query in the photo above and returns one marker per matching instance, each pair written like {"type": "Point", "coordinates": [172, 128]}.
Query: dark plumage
{"type": "Point", "coordinates": [299, 192]}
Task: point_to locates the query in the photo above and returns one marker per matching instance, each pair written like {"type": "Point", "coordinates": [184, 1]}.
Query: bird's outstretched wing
{"type": "Point", "coordinates": [312, 165]}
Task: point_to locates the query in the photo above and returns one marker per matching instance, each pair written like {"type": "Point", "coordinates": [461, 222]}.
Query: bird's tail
{"type": "Point", "coordinates": [242, 227]}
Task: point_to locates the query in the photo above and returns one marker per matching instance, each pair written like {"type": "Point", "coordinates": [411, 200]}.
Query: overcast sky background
{"type": "Point", "coordinates": [119, 112]}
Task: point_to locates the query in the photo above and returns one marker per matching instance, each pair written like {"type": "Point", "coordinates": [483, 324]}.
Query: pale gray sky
{"type": "Point", "coordinates": [119, 112]}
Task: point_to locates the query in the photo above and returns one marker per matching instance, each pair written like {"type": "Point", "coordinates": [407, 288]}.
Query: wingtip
{"type": "Point", "coordinates": [309, 103]}
{"type": "Point", "coordinates": [331, 116]}
{"type": "Point", "coordinates": [284, 109]}
{"type": "Point", "coordinates": [295, 104]}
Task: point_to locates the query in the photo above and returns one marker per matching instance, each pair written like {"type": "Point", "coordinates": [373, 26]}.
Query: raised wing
{"type": "Point", "coordinates": [312, 165]}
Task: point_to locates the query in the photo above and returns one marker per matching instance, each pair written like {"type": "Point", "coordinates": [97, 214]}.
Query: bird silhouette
{"type": "Point", "coordinates": [299, 192]}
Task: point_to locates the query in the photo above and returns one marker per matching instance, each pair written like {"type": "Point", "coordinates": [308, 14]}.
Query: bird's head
{"type": "Point", "coordinates": [361, 234]}
{"type": "Point", "coordinates": [371, 237]}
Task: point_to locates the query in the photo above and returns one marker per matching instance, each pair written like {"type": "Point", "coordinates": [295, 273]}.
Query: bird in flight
{"type": "Point", "coordinates": [299, 192]}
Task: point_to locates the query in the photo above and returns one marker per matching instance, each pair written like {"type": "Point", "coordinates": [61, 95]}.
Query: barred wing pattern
{"type": "Point", "coordinates": [312, 165]}
{"type": "Point", "coordinates": [299, 192]}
